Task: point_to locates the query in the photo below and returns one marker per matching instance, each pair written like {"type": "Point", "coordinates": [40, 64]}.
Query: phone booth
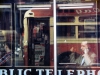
{"type": "Point", "coordinates": [38, 42]}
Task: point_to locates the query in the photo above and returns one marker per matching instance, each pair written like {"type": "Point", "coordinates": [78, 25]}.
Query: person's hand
{"type": "Point", "coordinates": [72, 49]}
{"type": "Point", "coordinates": [86, 51]}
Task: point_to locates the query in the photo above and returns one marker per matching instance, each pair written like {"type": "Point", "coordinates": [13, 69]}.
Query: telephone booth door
{"type": "Point", "coordinates": [38, 42]}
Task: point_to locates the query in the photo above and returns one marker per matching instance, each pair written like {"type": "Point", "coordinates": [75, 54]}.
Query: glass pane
{"type": "Point", "coordinates": [6, 35]}
{"type": "Point", "coordinates": [5, 17]}
{"type": "Point", "coordinates": [65, 19]}
{"type": "Point", "coordinates": [99, 31]}
{"type": "Point", "coordinates": [87, 18]}
{"type": "Point", "coordinates": [66, 31]}
{"type": "Point", "coordinates": [87, 31]}
{"type": "Point", "coordinates": [33, 1]}
{"type": "Point", "coordinates": [77, 36]}
{"type": "Point", "coordinates": [35, 44]}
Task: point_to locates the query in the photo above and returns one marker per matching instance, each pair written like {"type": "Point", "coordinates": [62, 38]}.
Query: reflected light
{"type": "Point", "coordinates": [75, 7]}
{"type": "Point", "coordinates": [23, 6]}
{"type": "Point", "coordinates": [32, 8]}
{"type": "Point", "coordinates": [5, 6]}
{"type": "Point", "coordinates": [77, 4]}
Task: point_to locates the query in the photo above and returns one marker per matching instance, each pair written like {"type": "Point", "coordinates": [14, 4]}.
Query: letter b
{"type": "Point", "coordinates": [3, 72]}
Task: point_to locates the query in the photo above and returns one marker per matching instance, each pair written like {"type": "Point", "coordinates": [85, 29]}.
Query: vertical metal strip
{"type": "Point", "coordinates": [55, 48]}
{"type": "Point", "coordinates": [97, 30]}
{"type": "Point", "coordinates": [13, 28]}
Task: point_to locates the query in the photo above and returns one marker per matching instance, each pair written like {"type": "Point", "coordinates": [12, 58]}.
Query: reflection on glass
{"type": "Point", "coordinates": [87, 31]}
{"type": "Point", "coordinates": [65, 19]}
{"type": "Point", "coordinates": [89, 18]}
{"type": "Point", "coordinates": [5, 19]}
{"type": "Point", "coordinates": [34, 46]}
{"type": "Point", "coordinates": [6, 35]}
{"type": "Point", "coordinates": [31, 1]}
{"type": "Point", "coordinates": [66, 31]}
{"type": "Point", "coordinates": [98, 31]}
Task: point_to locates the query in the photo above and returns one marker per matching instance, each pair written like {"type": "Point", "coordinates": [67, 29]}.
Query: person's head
{"type": "Point", "coordinates": [84, 45]}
